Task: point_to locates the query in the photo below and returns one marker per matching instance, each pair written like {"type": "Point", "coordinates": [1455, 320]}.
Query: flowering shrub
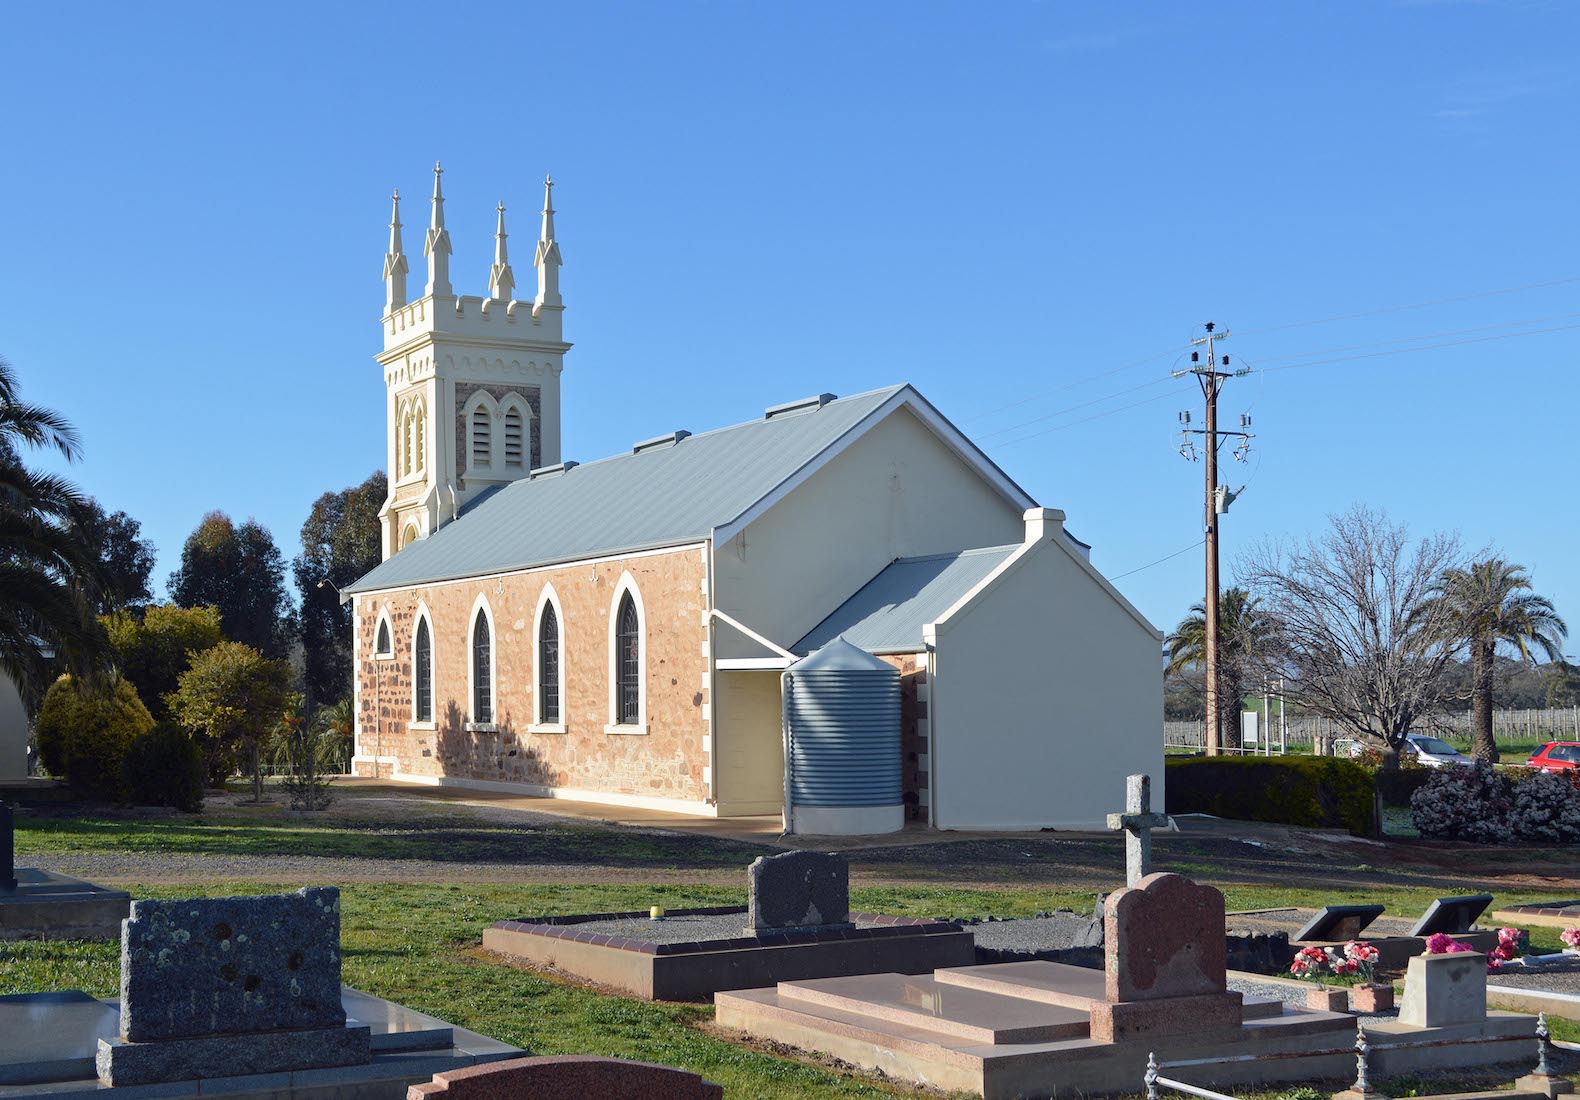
{"type": "Point", "coordinates": [1464, 804]}
{"type": "Point", "coordinates": [1571, 937]}
{"type": "Point", "coordinates": [1546, 807]}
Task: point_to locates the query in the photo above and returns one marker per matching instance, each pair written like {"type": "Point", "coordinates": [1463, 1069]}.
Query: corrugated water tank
{"type": "Point", "coordinates": [842, 709]}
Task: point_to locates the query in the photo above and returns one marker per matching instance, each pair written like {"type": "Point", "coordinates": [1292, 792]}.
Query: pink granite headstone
{"type": "Point", "coordinates": [567, 1075]}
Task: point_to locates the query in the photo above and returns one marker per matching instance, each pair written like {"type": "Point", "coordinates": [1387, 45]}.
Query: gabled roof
{"type": "Point", "coordinates": [661, 494]}
{"type": "Point", "coordinates": [887, 614]}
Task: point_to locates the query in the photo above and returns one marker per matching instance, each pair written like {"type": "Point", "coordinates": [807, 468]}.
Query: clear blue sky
{"type": "Point", "coordinates": [1001, 203]}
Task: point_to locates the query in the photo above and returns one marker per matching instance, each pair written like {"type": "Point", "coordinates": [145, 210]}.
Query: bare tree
{"type": "Point", "coordinates": [1356, 629]}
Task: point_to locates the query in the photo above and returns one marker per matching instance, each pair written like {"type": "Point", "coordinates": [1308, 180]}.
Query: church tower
{"type": "Point", "coordinates": [473, 383]}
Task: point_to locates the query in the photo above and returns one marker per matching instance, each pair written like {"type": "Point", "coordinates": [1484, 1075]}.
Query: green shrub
{"type": "Point", "coordinates": [1397, 787]}
{"type": "Point", "coordinates": [165, 767]}
{"type": "Point", "coordinates": [1311, 791]}
{"type": "Point", "coordinates": [83, 735]}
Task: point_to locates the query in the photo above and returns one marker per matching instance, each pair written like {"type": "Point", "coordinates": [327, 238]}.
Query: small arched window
{"type": "Point", "coordinates": [419, 448]}
{"type": "Point", "coordinates": [482, 436]}
{"type": "Point", "coordinates": [408, 536]}
{"type": "Point", "coordinates": [514, 437]}
{"type": "Point", "coordinates": [422, 674]}
{"type": "Point", "coordinates": [549, 667]}
{"type": "Point", "coordinates": [628, 664]}
{"type": "Point", "coordinates": [482, 667]}
{"type": "Point", "coordinates": [382, 644]}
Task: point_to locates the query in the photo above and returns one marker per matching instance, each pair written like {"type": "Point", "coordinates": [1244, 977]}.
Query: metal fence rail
{"type": "Point", "coordinates": [1302, 732]}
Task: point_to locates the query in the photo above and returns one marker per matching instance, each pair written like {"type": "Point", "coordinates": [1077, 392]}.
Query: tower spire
{"type": "Point", "coordinates": [395, 266]}
{"type": "Point", "coordinates": [437, 246]}
{"type": "Point", "coordinates": [501, 280]}
{"type": "Point", "coordinates": [547, 260]}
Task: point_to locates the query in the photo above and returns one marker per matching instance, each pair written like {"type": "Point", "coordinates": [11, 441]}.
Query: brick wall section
{"type": "Point", "coordinates": [666, 763]}
{"type": "Point", "coordinates": [913, 743]}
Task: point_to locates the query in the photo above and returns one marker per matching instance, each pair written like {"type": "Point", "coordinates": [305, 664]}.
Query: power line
{"type": "Point", "coordinates": [1069, 385]}
{"type": "Point", "coordinates": [1424, 347]}
{"type": "Point", "coordinates": [1414, 305]}
{"type": "Point", "coordinates": [1160, 561]}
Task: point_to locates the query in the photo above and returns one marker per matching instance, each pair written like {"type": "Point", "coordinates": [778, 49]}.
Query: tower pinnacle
{"type": "Point", "coordinates": [437, 246]}
{"type": "Point", "coordinates": [547, 260]}
{"type": "Point", "coordinates": [501, 280]}
{"type": "Point", "coordinates": [395, 266]}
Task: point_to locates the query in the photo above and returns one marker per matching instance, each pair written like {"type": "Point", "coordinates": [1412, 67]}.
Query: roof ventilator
{"type": "Point", "coordinates": [551, 471]}
{"type": "Point", "coordinates": [806, 404]}
{"type": "Point", "coordinates": [660, 441]}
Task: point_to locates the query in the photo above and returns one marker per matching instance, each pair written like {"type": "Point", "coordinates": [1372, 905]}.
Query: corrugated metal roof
{"type": "Point", "coordinates": [889, 611]}
{"type": "Point", "coordinates": [657, 497]}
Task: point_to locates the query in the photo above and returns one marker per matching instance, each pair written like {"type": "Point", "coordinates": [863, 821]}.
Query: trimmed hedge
{"type": "Point", "coordinates": [1399, 786]}
{"type": "Point", "coordinates": [1311, 791]}
{"type": "Point", "coordinates": [165, 767]}
{"type": "Point", "coordinates": [83, 735]}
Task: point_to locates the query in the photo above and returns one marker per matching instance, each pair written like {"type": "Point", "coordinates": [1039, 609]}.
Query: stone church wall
{"type": "Point", "coordinates": [665, 763]}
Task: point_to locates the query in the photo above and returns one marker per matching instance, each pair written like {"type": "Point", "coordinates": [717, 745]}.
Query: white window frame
{"type": "Point", "coordinates": [383, 623]}
{"type": "Point", "coordinates": [615, 726]}
{"type": "Point", "coordinates": [481, 607]}
{"type": "Point", "coordinates": [422, 616]}
{"type": "Point", "coordinates": [547, 598]}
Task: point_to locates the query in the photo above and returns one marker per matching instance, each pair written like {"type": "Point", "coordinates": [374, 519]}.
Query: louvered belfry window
{"type": "Point", "coordinates": [424, 673]}
{"type": "Point", "coordinates": [513, 438]}
{"type": "Point", "coordinates": [628, 663]}
{"type": "Point", "coordinates": [482, 441]}
{"type": "Point", "coordinates": [482, 688]}
{"type": "Point", "coordinates": [549, 667]}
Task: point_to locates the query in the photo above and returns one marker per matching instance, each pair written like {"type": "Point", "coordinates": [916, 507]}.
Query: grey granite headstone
{"type": "Point", "coordinates": [798, 890]}
{"type": "Point", "coordinates": [1451, 915]}
{"type": "Point", "coordinates": [7, 849]}
{"type": "Point", "coordinates": [1338, 922]}
{"type": "Point", "coordinates": [223, 986]}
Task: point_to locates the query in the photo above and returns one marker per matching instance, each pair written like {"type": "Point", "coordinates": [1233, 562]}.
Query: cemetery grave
{"type": "Point", "coordinates": [42, 905]}
{"type": "Point", "coordinates": [1004, 1030]}
{"type": "Point", "coordinates": [1397, 939]}
{"type": "Point", "coordinates": [239, 996]}
{"type": "Point", "coordinates": [797, 924]}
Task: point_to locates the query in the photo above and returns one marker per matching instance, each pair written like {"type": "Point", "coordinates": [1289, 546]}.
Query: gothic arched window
{"type": "Point", "coordinates": [482, 671]}
{"type": "Point", "coordinates": [482, 436]}
{"type": "Point", "coordinates": [628, 664]}
{"type": "Point", "coordinates": [382, 644]}
{"type": "Point", "coordinates": [549, 667]}
{"type": "Point", "coordinates": [419, 448]}
{"type": "Point", "coordinates": [422, 674]}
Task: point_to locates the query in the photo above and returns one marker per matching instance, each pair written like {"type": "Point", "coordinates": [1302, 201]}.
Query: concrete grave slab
{"type": "Point", "coordinates": [1445, 989]}
{"type": "Point", "coordinates": [49, 906]}
{"type": "Point", "coordinates": [568, 1075]}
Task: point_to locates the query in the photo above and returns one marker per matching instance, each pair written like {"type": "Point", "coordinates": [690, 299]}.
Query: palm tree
{"type": "Point", "coordinates": [1492, 604]}
{"type": "Point", "coordinates": [49, 576]}
{"type": "Point", "coordinates": [1243, 630]}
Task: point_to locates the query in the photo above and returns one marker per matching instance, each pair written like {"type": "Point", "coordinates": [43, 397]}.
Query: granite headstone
{"type": "Point", "coordinates": [7, 849]}
{"type": "Point", "coordinates": [1451, 915]}
{"type": "Point", "coordinates": [1338, 922]}
{"type": "Point", "coordinates": [224, 986]}
{"type": "Point", "coordinates": [798, 890]}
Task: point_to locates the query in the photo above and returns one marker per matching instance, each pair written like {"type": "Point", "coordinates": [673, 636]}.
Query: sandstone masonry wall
{"type": "Point", "coordinates": [667, 762]}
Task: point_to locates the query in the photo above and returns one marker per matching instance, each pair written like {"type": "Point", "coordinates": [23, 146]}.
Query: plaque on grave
{"type": "Point", "coordinates": [218, 987]}
{"type": "Point", "coordinates": [798, 890]}
{"type": "Point", "coordinates": [1451, 915]}
{"type": "Point", "coordinates": [1338, 922]}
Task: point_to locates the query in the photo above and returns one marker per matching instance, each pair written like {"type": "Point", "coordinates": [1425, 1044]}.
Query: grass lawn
{"type": "Point", "coordinates": [417, 943]}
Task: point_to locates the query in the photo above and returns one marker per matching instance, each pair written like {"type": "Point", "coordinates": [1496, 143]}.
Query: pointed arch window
{"type": "Point", "coordinates": [482, 671]}
{"type": "Point", "coordinates": [482, 436]}
{"type": "Point", "coordinates": [419, 449]}
{"type": "Point", "coordinates": [382, 644]}
{"type": "Point", "coordinates": [628, 664]}
{"type": "Point", "coordinates": [422, 674]}
{"type": "Point", "coordinates": [549, 667]}
{"type": "Point", "coordinates": [515, 438]}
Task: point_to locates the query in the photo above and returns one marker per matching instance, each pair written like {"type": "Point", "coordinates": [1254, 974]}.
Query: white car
{"type": "Point", "coordinates": [1428, 751]}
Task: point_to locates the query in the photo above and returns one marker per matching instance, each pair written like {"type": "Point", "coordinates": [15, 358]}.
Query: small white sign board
{"type": "Point", "coordinates": [1248, 726]}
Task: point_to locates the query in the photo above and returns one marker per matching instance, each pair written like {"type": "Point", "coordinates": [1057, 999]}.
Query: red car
{"type": "Point", "coordinates": [1557, 756]}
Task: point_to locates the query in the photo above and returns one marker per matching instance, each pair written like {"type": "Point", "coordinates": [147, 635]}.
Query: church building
{"type": "Point", "coordinates": [617, 630]}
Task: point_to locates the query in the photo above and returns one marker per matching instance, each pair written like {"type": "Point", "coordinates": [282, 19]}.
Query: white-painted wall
{"type": "Point", "coordinates": [13, 734]}
{"type": "Point", "coordinates": [1045, 692]}
{"type": "Point", "coordinates": [896, 492]}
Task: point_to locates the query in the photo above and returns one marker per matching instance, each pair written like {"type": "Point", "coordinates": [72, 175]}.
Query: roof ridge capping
{"type": "Point", "coordinates": [550, 471]}
{"type": "Point", "coordinates": [805, 404]}
{"type": "Point", "coordinates": [665, 440]}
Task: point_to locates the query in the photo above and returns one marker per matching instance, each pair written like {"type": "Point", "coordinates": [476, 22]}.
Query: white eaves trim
{"type": "Point", "coordinates": [906, 397]}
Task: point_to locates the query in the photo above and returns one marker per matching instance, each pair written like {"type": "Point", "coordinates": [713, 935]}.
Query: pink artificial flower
{"type": "Point", "coordinates": [1443, 944]}
{"type": "Point", "coordinates": [1570, 936]}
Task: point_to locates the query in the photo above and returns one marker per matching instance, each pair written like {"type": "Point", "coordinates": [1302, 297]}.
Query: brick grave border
{"type": "Point", "coordinates": [695, 970]}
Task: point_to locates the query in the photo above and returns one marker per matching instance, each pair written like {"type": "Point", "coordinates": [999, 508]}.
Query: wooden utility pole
{"type": "Point", "coordinates": [1216, 502]}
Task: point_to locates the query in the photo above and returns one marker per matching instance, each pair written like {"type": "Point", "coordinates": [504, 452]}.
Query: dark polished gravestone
{"type": "Point", "coordinates": [1451, 915]}
{"type": "Point", "coordinates": [7, 849]}
{"type": "Point", "coordinates": [801, 890]}
{"type": "Point", "coordinates": [217, 987]}
{"type": "Point", "coordinates": [1338, 922]}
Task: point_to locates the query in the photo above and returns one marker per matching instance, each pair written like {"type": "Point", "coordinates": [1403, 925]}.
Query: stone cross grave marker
{"type": "Point", "coordinates": [798, 890]}
{"type": "Point", "coordinates": [7, 849]}
{"type": "Point", "coordinates": [219, 987]}
{"type": "Point", "coordinates": [1137, 821]}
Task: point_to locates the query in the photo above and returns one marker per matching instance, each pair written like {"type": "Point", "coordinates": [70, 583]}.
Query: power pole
{"type": "Point", "coordinates": [1217, 500]}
